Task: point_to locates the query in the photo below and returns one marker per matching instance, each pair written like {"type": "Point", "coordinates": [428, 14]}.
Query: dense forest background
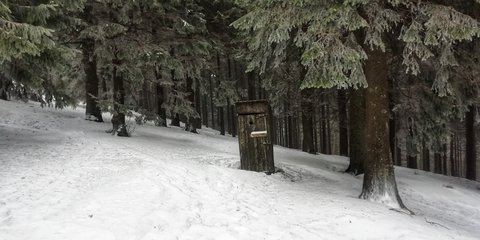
{"type": "Point", "coordinates": [383, 82]}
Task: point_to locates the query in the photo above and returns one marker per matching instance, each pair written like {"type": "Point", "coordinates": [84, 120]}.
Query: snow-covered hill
{"type": "Point", "coordinates": [62, 177]}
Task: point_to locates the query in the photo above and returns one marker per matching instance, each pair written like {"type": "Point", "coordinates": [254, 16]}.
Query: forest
{"type": "Point", "coordinates": [383, 82]}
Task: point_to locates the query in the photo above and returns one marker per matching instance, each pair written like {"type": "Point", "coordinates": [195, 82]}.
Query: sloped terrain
{"type": "Point", "coordinates": [62, 177]}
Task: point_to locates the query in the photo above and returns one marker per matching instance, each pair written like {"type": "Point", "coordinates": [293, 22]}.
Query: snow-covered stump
{"type": "Point", "coordinates": [255, 136]}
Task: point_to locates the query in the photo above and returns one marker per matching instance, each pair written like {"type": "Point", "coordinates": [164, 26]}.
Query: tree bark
{"type": "Point", "coordinates": [425, 157]}
{"type": "Point", "coordinates": [307, 122]}
{"type": "Point", "coordinates": [175, 120]}
{"type": "Point", "coordinates": [198, 105]}
{"type": "Point", "coordinates": [221, 120]}
{"type": "Point", "coordinates": [379, 182]}
{"type": "Point", "coordinates": [357, 131]}
{"type": "Point", "coordinates": [342, 123]}
{"type": "Point", "coordinates": [470, 150]}
{"type": "Point", "coordinates": [329, 132]}
{"type": "Point", "coordinates": [437, 157]}
{"type": "Point", "coordinates": [3, 89]}
{"type": "Point", "coordinates": [229, 120]}
{"type": "Point", "coordinates": [251, 86]}
{"type": "Point", "coordinates": [212, 105]}
{"type": "Point", "coordinates": [92, 110]}
{"type": "Point", "coordinates": [190, 124]}
{"type": "Point", "coordinates": [118, 118]}
{"type": "Point", "coordinates": [324, 127]}
{"type": "Point", "coordinates": [205, 111]}
{"type": "Point", "coordinates": [234, 121]}
{"type": "Point", "coordinates": [411, 150]}
{"type": "Point", "coordinates": [160, 92]}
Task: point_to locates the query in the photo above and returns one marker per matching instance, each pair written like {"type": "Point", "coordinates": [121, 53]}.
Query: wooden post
{"type": "Point", "coordinates": [255, 136]}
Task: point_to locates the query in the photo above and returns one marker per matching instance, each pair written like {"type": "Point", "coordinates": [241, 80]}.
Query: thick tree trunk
{"type": "Point", "coordinates": [92, 110]}
{"type": "Point", "coordinates": [357, 131]}
{"type": "Point", "coordinates": [118, 118]}
{"type": "Point", "coordinates": [342, 122]}
{"type": "Point", "coordinates": [470, 150]}
{"type": "Point", "coordinates": [379, 183]}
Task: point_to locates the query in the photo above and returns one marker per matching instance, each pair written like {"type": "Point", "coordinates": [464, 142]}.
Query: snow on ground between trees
{"type": "Point", "coordinates": [62, 177]}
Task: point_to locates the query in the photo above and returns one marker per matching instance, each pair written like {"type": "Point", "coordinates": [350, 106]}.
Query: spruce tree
{"type": "Point", "coordinates": [349, 44]}
{"type": "Point", "coordinates": [33, 62]}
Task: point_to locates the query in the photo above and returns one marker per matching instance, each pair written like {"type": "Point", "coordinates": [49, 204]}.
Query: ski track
{"type": "Point", "coordinates": [64, 178]}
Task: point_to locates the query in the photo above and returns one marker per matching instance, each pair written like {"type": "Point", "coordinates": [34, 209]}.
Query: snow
{"type": "Point", "coordinates": [62, 177]}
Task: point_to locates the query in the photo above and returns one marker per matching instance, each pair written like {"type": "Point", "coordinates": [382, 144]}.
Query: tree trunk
{"type": "Point", "coordinates": [470, 150]}
{"type": "Point", "coordinates": [342, 123]}
{"type": "Point", "coordinates": [118, 118]}
{"type": "Point", "coordinates": [357, 131]}
{"type": "Point", "coordinates": [251, 86]}
{"type": "Point", "coordinates": [104, 89]}
{"type": "Point", "coordinates": [437, 157]}
{"type": "Point", "coordinates": [92, 111]}
{"type": "Point", "coordinates": [160, 91]}
{"type": "Point", "coordinates": [175, 120]}
{"type": "Point", "coordinates": [444, 160]}
{"type": "Point", "coordinates": [324, 128]}
{"type": "Point", "coordinates": [229, 120]}
{"type": "Point", "coordinates": [379, 183]}
{"type": "Point", "coordinates": [315, 129]}
{"type": "Point", "coordinates": [329, 132]}
{"type": "Point", "coordinates": [290, 132]}
{"type": "Point", "coordinates": [221, 120]}
{"type": "Point", "coordinates": [411, 150]}
{"type": "Point", "coordinates": [234, 121]}
{"type": "Point", "coordinates": [307, 122]}
{"type": "Point", "coordinates": [144, 97]}
{"type": "Point", "coordinates": [295, 131]}
{"type": "Point", "coordinates": [205, 111]}
{"type": "Point", "coordinates": [425, 157]}
{"type": "Point", "coordinates": [212, 106]}
{"type": "Point", "coordinates": [190, 124]}
{"type": "Point", "coordinates": [3, 89]}
{"type": "Point", "coordinates": [198, 105]}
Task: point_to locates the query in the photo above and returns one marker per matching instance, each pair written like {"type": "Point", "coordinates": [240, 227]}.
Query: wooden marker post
{"type": "Point", "coordinates": [255, 136]}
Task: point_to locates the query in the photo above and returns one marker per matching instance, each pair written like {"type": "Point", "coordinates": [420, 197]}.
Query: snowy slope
{"type": "Point", "coordinates": [64, 178]}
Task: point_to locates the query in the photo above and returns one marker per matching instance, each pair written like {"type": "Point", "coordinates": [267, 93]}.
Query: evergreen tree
{"type": "Point", "coordinates": [348, 44]}
{"type": "Point", "coordinates": [33, 60]}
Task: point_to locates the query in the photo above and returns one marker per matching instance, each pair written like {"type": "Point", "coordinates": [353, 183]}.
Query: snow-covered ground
{"type": "Point", "coordinates": [62, 177]}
